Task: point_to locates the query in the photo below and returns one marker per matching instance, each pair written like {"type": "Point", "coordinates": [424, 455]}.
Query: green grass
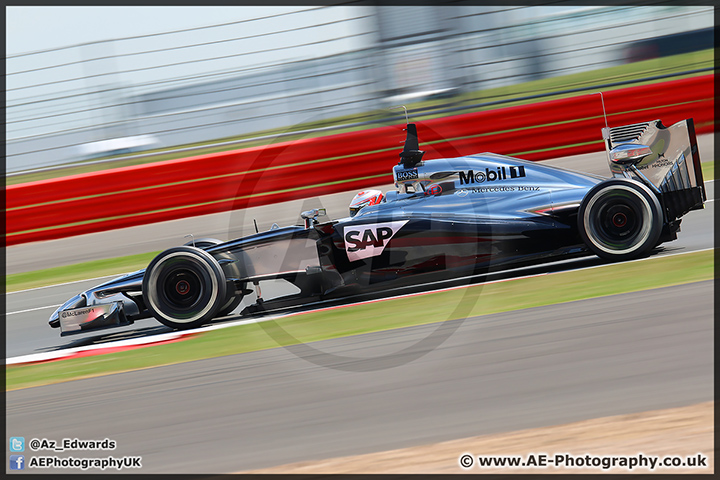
{"type": "Point", "coordinates": [390, 314]}
{"type": "Point", "coordinates": [78, 271]}
{"type": "Point", "coordinates": [631, 71]}
{"type": "Point", "coordinates": [708, 169]}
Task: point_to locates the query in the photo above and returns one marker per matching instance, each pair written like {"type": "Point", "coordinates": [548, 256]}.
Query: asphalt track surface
{"type": "Point", "coordinates": [497, 373]}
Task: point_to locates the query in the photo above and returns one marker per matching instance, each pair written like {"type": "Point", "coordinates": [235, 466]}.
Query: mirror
{"type": "Point", "coordinates": [310, 216]}
{"type": "Point", "coordinates": [316, 212]}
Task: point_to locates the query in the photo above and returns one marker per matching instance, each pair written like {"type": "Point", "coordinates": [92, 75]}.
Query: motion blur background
{"type": "Point", "coordinates": [153, 79]}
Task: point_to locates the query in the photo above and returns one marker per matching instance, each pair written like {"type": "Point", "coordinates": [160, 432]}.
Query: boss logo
{"type": "Point", "coordinates": [407, 175]}
{"type": "Point", "coordinates": [501, 173]}
{"type": "Point", "coordinates": [363, 241]}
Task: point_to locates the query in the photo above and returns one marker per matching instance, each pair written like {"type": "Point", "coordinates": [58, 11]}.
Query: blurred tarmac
{"type": "Point", "coordinates": [530, 368]}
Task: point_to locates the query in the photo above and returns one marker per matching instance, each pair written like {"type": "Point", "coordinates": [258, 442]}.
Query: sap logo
{"type": "Point", "coordinates": [363, 241]}
{"type": "Point", "coordinates": [376, 239]}
{"type": "Point", "coordinates": [407, 175]}
{"type": "Point", "coordinates": [491, 175]}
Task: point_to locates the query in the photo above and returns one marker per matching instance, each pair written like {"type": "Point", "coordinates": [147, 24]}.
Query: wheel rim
{"type": "Point", "coordinates": [618, 221]}
{"type": "Point", "coordinates": [183, 290]}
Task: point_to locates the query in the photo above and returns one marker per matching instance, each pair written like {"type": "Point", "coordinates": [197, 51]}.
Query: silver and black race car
{"type": "Point", "coordinates": [448, 218]}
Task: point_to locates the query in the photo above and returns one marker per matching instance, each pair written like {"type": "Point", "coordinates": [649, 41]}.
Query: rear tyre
{"type": "Point", "coordinates": [184, 287]}
{"type": "Point", "coordinates": [620, 219]}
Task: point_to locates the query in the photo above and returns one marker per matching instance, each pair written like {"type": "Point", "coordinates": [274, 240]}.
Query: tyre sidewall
{"type": "Point", "coordinates": [634, 198]}
{"type": "Point", "coordinates": [186, 267]}
{"type": "Point", "coordinates": [232, 299]}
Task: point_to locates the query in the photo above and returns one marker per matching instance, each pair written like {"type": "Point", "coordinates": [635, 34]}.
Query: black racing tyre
{"type": "Point", "coordinates": [620, 219]}
{"type": "Point", "coordinates": [231, 299]}
{"type": "Point", "coordinates": [184, 287]}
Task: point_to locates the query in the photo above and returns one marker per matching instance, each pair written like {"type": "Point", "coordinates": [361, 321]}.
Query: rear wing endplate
{"type": "Point", "coordinates": [673, 168]}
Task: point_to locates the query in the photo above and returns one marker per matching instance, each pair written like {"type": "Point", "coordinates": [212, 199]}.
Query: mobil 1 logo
{"type": "Point", "coordinates": [500, 173]}
{"type": "Point", "coordinates": [369, 240]}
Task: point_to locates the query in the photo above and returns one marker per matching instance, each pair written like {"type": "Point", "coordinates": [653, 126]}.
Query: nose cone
{"type": "Point", "coordinates": [74, 302]}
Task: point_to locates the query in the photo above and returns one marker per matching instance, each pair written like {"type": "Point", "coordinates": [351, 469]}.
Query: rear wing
{"type": "Point", "coordinates": [671, 166]}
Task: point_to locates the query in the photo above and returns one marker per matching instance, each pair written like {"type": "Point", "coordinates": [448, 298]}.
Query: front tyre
{"type": "Point", "coordinates": [620, 219]}
{"type": "Point", "coordinates": [184, 287]}
{"type": "Point", "coordinates": [232, 299]}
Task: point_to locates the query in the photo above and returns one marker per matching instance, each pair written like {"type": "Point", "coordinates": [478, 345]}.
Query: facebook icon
{"type": "Point", "coordinates": [17, 462]}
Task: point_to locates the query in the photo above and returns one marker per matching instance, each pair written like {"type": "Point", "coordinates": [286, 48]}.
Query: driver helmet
{"type": "Point", "coordinates": [363, 199]}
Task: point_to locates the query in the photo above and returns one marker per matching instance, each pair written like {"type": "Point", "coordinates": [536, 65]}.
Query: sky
{"type": "Point", "coordinates": [34, 29]}
{"type": "Point", "coordinates": [37, 28]}
{"type": "Point", "coordinates": [103, 55]}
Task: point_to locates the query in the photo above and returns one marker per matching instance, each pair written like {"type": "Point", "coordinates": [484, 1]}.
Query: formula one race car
{"type": "Point", "coordinates": [448, 218]}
